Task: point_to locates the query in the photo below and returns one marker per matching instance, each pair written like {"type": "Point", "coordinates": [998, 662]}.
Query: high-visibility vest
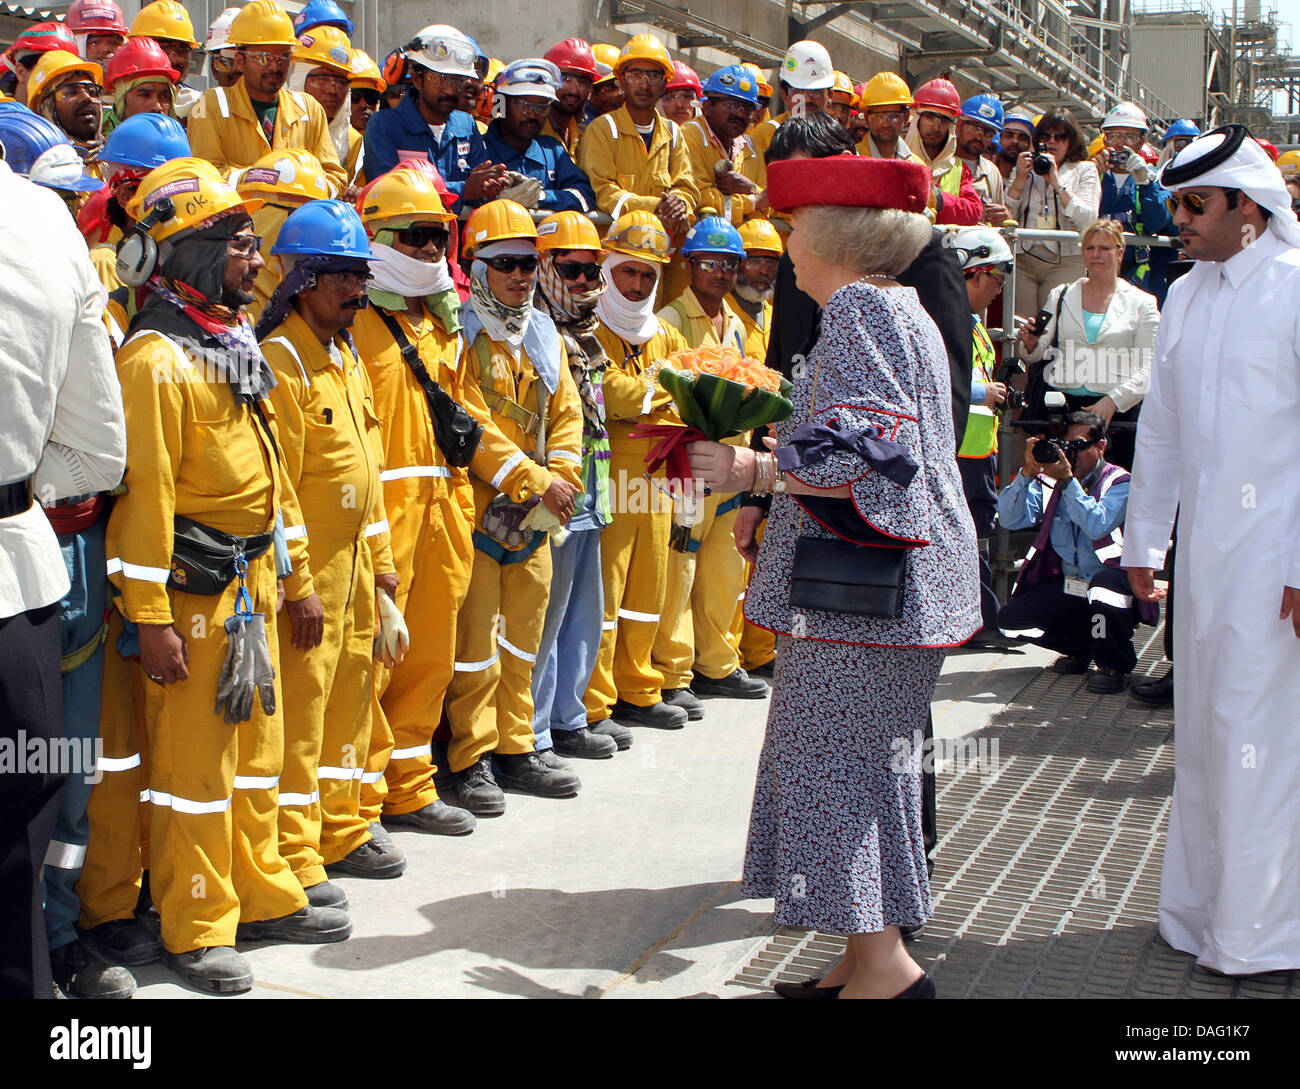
{"type": "Point", "coordinates": [981, 437]}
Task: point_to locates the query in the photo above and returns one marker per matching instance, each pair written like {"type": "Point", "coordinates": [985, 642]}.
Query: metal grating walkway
{"type": "Point", "coordinates": [1047, 877]}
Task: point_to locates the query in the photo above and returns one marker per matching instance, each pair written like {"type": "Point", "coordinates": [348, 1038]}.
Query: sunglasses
{"type": "Point", "coordinates": [347, 279]}
{"type": "Point", "coordinates": [578, 270]}
{"type": "Point", "coordinates": [507, 263]}
{"type": "Point", "coordinates": [364, 94]}
{"type": "Point", "coordinates": [1193, 202]}
{"type": "Point", "coordinates": [1055, 137]}
{"type": "Point", "coordinates": [267, 60]}
{"type": "Point", "coordinates": [419, 237]}
{"type": "Point", "coordinates": [716, 264]}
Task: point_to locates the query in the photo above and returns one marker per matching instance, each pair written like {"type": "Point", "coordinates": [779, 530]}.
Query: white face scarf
{"type": "Point", "coordinates": [635, 322]}
{"type": "Point", "coordinates": [408, 276]}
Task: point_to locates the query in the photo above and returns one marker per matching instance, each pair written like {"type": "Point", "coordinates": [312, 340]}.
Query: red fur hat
{"type": "Point", "coordinates": [849, 180]}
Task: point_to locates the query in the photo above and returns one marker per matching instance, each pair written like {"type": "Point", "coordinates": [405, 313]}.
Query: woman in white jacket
{"type": "Point", "coordinates": [1098, 341]}
{"type": "Point", "coordinates": [1065, 199]}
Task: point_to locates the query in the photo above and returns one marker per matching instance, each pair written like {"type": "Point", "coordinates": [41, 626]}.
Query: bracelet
{"type": "Point", "coordinates": [768, 477]}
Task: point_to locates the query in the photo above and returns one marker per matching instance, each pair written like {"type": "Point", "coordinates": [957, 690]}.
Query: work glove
{"type": "Point", "coordinates": [228, 697]}
{"type": "Point", "coordinates": [283, 564]}
{"type": "Point", "coordinates": [542, 518]}
{"type": "Point", "coordinates": [1138, 168]}
{"type": "Point", "coordinates": [259, 653]}
{"type": "Point", "coordinates": [522, 190]}
{"type": "Point", "coordinates": [394, 638]}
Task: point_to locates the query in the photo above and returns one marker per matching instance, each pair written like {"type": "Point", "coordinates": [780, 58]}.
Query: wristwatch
{"type": "Point", "coordinates": [778, 485]}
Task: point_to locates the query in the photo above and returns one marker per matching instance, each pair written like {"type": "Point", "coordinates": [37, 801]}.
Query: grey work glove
{"type": "Point", "coordinates": [231, 669]}
{"type": "Point", "coordinates": [522, 190]}
{"type": "Point", "coordinates": [1138, 168]}
{"type": "Point", "coordinates": [260, 654]}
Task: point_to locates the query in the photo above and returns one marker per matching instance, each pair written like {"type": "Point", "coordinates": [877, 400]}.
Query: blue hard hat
{"type": "Point", "coordinates": [734, 81]}
{"type": "Point", "coordinates": [146, 141]}
{"type": "Point", "coordinates": [1181, 127]}
{"type": "Point", "coordinates": [986, 109]}
{"type": "Point", "coordinates": [321, 13]}
{"type": "Point", "coordinates": [324, 228]}
{"type": "Point", "coordinates": [40, 151]}
{"type": "Point", "coordinates": [713, 234]}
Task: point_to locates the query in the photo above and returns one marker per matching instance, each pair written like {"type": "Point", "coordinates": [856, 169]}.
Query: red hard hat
{"type": "Point", "coordinates": [43, 38]}
{"type": "Point", "coordinates": [684, 76]}
{"type": "Point", "coordinates": [573, 55]}
{"type": "Point", "coordinates": [96, 17]}
{"type": "Point", "coordinates": [1268, 146]}
{"type": "Point", "coordinates": [139, 57]}
{"type": "Point", "coordinates": [938, 95]}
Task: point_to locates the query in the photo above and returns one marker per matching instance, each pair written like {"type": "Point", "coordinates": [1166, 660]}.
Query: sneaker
{"type": "Point", "coordinates": [437, 818]}
{"type": "Point", "coordinates": [525, 772]}
{"type": "Point", "coordinates": [1106, 681]}
{"type": "Point", "coordinates": [737, 685]}
{"type": "Point", "coordinates": [1071, 666]}
{"type": "Point", "coordinates": [123, 941]}
{"type": "Point", "coordinates": [78, 973]}
{"type": "Point", "coordinates": [584, 743]}
{"type": "Point", "coordinates": [306, 926]}
{"type": "Point", "coordinates": [477, 790]}
{"type": "Point", "coordinates": [621, 735]}
{"type": "Point", "coordinates": [686, 700]}
{"type": "Point", "coordinates": [374, 859]}
{"type": "Point", "coordinates": [553, 760]}
{"type": "Point", "coordinates": [1159, 691]}
{"type": "Point", "coordinates": [326, 895]}
{"type": "Point", "coordinates": [215, 969]}
{"type": "Point", "coordinates": [659, 715]}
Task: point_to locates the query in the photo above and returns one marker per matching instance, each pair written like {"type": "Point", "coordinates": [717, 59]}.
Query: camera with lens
{"type": "Point", "coordinates": [1117, 157]}
{"type": "Point", "coordinates": [1042, 160]}
{"type": "Point", "coordinates": [1050, 447]}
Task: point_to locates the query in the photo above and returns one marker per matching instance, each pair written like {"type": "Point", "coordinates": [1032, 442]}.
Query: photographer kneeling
{"type": "Point", "coordinates": [1072, 596]}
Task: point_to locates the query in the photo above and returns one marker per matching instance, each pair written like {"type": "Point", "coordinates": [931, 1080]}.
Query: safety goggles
{"type": "Point", "coordinates": [325, 79]}
{"type": "Point", "coordinates": [419, 237]}
{"type": "Point", "coordinates": [352, 278]}
{"type": "Point", "coordinates": [644, 75]}
{"type": "Point", "coordinates": [762, 264]}
{"type": "Point", "coordinates": [528, 106]}
{"type": "Point", "coordinates": [266, 59]}
{"type": "Point", "coordinates": [715, 264]}
{"type": "Point", "coordinates": [888, 115]}
{"type": "Point", "coordinates": [1193, 202]}
{"type": "Point", "coordinates": [682, 94]}
{"type": "Point", "coordinates": [509, 263]}
{"type": "Point", "coordinates": [578, 270]}
{"type": "Point", "coordinates": [366, 95]}
{"type": "Point", "coordinates": [68, 91]}
{"type": "Point", "coordinates": [241, 245]}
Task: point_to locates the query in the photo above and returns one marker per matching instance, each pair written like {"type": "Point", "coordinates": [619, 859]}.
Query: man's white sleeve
{"type": "Point", "coordinates": [1153, 497]}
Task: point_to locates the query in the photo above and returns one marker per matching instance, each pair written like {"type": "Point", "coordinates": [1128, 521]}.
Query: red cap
{"type": "Point", "coordinates": [848, 180]}
{"type": "Point", "coordinates": [573, 55]}
{"type": "Point", "coordinates": [684, 76]}
{"type": "Point", "coordinates": [139, 57]}
{"type": "Point", "coordinates": [938, 95]}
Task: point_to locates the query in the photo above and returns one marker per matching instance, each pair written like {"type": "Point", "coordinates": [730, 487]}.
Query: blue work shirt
{"type": "Point", "coordinates": [1080, 519]}
{"type": "Point", "coordinates": [1140, 209]}
{"type": "Point", "coordinates": [564, 187]}
{"type": "Point", "coordinates": [403, 128]}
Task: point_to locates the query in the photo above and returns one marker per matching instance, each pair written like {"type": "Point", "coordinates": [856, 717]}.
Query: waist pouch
{"type": "Point", "coordinates": [67, 518]}
{"type": "Point", "coordinates": [838, 576]}
{"type": "Point", "coordinates": [203, 558]}
{"type": "Point", "coordinates": [503, 522]}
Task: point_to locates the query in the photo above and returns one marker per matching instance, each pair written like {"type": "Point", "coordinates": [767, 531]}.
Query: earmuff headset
{"type": "Point", "coordinates": [137, 256]}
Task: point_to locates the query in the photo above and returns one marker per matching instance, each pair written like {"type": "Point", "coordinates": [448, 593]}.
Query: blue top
{"type": "Point", "coordinates": [1140, 209]}
{"type": "Point", "coordinates": [1092, 325]}
{"type": "Point", "coordinates": [1080, 519]}
{"type": "Point", "coordinates": [564, 187]}
{"type": "Point", "coordinates": [404, 128]}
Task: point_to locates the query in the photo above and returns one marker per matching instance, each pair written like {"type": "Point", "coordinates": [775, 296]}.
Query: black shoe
{"type": "Point", "coordinates": [373, 859]}
{"type": "Point", "coordinates": [123, 941]}
{"type": "Point", "coordinates": [659, 715]}
{"type": "Point", "coordinates": [911, 932]}
{"type": "Point", "coordinates": [767, 669]}
{"type": "Point", "coordinates": [584, 744]}
{"type": "Point", "coordinates": [553, 760]}
{"type": "Point", "coordinates": [527, 773]}
{"type": "Point", "coordinates": [807, 989]}
{"type": "Point", "coordinates": [326, 895]}
{"type": "Point", "coordinates": [477, 790]}
{"type": "Point", "coordinates": [306, 926]}
{"type": "Point", "coordinates": [686, 700]}
{"type": "Point", "coordinates": [216, 969]}
{"type": "Point", "coordinates": [737, 685]}
{"type": "Point", "coordinates": [1071, 666]}
{"type": "Point", "coordinates": [922, 988]}
{"type": "Point", "coordinates": [1106, 681]}
{"type": "Point", "coordinates": [437, 818]}
{"type": "Point", "coordinates": [609, 728]}
{"type": "Point", "coordinates": [78, 973]}
{"type": "Point", "coordinates": [1159, 692]}
{"type": "Point", "coordinates": [380, 835]}
{"type": "Point", "coordinates": [988, 639]}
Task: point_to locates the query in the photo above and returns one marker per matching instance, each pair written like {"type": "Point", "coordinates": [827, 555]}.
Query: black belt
{"type": "Point", "coordinates": [15, 498]}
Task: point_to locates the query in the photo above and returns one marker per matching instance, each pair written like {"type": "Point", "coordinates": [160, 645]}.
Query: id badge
{"type": "Point", "coordinates": [1076, 587]}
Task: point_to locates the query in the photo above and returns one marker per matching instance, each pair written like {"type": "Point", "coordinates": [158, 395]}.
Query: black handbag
{"type": "Point", "coordinates": [838, 576]}
{"type": "Point", "coordinates": [456, 431]}
{"type": "Point", "coordinates": [204, 559]}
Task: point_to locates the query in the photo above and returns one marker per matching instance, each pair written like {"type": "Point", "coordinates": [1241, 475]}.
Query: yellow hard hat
{"type": "Point", "coordinates": [567, 231]}
{"type": "Point", "coordinates": [197, 190]}
{"type": "Point", "coordinates": [51, 69]}
{"type": "Point", "coordinates": [843, 91]}
{"type": "Point", "coordinates": [364, 72]}
{"type": "Point", "coordinates": [497, 221]}
{"type": "Point", "coordinates": [291, 173]}
{"type": "Point", "coordinates": [399, 198]}
{"type": "Point", "coordinates": [885, 89]}
{"type": "Point", "coordinates": [645, 47]}
{"type": "Point", "coordinates": [640, 235]}
{"type": "Point", "coordinates": [164, 19]}
{"type": "Point", "coordinates": [1095, 147]}
{"type": "Point", "coordinates": [764, 88]}
{"type": "Point", "coordinates": [606, 55]}
{"type": "Point", "coordinates": [1289, 162]}
{"type": "Point", "coordinates": [263, 22]}
{"type": "Point", "coordinates": [759, 236]}
{"type": "Point", "coordinates": [325, 47]}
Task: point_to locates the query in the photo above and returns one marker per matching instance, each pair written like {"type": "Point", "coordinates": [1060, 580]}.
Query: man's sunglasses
{"type": "Point", "coordinates": [419, 237]}
{"type": "Point", "coordinates": [268, 60]}
{"type": "Point", "coordinates": [1193, 202]}
{"type": "Point", "coordinates": [578, 270]}
{"type": "Point", "coordinates": [507, 263]}
{"type": "Point", "coordinates": [716, 264]}
{"type": "Point", "coordinates": [366, 95]}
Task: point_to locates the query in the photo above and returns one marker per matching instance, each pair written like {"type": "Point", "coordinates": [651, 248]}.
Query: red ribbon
{"type": "Point", "coordinates": [670, 449]}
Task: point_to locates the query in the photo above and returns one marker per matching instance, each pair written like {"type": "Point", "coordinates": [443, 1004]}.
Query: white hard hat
{"type": "Point", "coordinates": [219, 31]}
{"type": "Point", "coordinates": [1127, 115]}
{"type": "Point", "coordinates": [443, 49]}
{"type": "Point", "coordinates": [532, 77]}
{"type": "Point", "coordinates": [807, 67]}
{"type": "Point", "coordinates": [979, 247]}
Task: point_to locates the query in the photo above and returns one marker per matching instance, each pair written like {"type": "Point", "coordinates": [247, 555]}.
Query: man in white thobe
{"type": "Point", "coordinates": [1220, 439]}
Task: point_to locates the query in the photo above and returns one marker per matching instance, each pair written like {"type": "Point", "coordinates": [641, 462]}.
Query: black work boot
{"type": "Point", "coordinates": [477, 790]}
{"type": "Point", "coordinates": [584, 744]}
{"type": "Point", "coordinates": [123, 941]}
{"type": "Point", "coordinates": [1106, 681]}
{"type": "Point", "coordinates": [78, 973]}
{"type": "Point", "coordinates": [216, 969]}
{"type": "Point", "coordinates": [1159, 691]}
{"type": "Point", "coordinates": [437, 818]}
{"type": "Point", "coordinates": [376, 858]}
{"type": "Point", "coordinates": [609, 728]}
{"type": "Point", "coordinates": [326, 895]}
{"type": "Point", "coordinates": [737, 685]}
{"type": "Point", "coordinates": [527, 773]}
{"type": "Point", "coordinates": [659, 715]}
{"type": "Point", "coordinates": [687, 700]}
{"type": "Point", "coordinates": [1072, 665]}
{"type": "Point", "coordinates": [306, 926]}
